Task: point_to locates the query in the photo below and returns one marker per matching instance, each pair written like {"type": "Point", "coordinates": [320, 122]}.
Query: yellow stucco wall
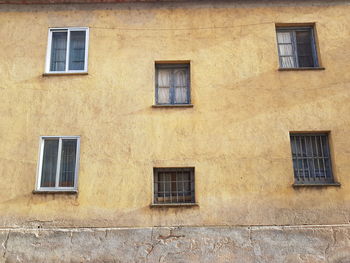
{"type": "Point", "coordinates": [236, 135]}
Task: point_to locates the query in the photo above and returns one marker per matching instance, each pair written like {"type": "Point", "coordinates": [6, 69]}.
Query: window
{"type": "Point", "coordinates": [172, 84]}
{"type": "Point", "coordinates": [311, 158]}
{"type": "Point", "coordinates": [296, 47]}
{"type": "Point", "coordinates": [173, 185]}
{"type": "Point", "coordinates": [67, 50]}
{"type": "Point", "coordinates": [58, 163]}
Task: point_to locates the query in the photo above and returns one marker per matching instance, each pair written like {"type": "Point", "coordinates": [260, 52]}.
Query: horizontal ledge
{"type": "Point", "coordinates": [296, 69]}
{"type": "Point", "coordinates": [316, 184]}
{"type": "Point", "coordinates": [70, 192]}
{"type": "Point", "coordinates": [173, 106]}
{"type": "Point", "coordinates": [175, 205]}
{"type": "Point", "coordinates": [64, 74]}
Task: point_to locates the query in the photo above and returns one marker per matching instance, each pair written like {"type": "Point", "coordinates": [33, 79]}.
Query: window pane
{"type": "Point", "coordinates": [303, 39]}
{"type": "Point", "coordinates": [77, 50]}
{"type": "Point", "coordinates": [164, 85]}
{"type": "Point", "coordinates": [287, 62]}
{"type": "Point", "coordinates": [68, 160]}
{"type": "Point", "coordinates": [305, 61]}
{"type": "Point", "coordinates": [58, 51]}
{"type": "Point", "coordinates": [284, 37]}
{"type": "Point", "coordinates": [286, 49]}
{"type": "Point", "coordinates": [180, 85]}
{"type": "Point", "coordinates": [49, 163]}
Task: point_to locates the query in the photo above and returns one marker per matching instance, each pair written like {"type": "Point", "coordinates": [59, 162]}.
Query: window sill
{"type": "Point", "coordinates": [316, 185]}
{"type": "Point", "coordinates": [172, 106]}
{"type": "Point", "coordinates": [69, 192]}
{"type": "Point", "coordinates": [174, 205]}
{"type": "Point", "coordinates": [301, 69]}
{"type": "Point", "coordinates": [64, 74]}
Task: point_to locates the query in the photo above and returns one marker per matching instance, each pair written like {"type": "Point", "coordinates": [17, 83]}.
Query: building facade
{"type": "Point", "coordinates": [175, 131]}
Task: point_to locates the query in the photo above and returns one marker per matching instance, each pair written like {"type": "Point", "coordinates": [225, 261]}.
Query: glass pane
{"type": "Point", "coordinates": [286, 49]}
{"type": "Point", "coordinates": [164, 86]}
{"type": "Point", "coordinates": [287, 62]}
{"type": "Point", "coordinates": [284, 37]}
{"type": "Point", "coordinates": [305, 61]}
{"type": "Point", "coordinates": [77, 50]}
{"type": "Point", "coordinates": [49, 163]}
{"type": "Point", "coordinates": [58, 51]}
{"type": "Point", "coordinates": [68, 160]}
{"type": "Point", "coordinates": [303, 36]}
{"type": "Point", "coordinates": [180, 85]}
{"type": "Point", "coordinates": [163, 95]}
{"type": "Point", "coordinates": [304, 48]}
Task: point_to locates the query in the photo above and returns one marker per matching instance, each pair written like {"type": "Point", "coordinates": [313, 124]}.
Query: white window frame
{"type": "Point", "coordinates": [49, 45]}
{"type": "Point", "coordinates": [40, 163]}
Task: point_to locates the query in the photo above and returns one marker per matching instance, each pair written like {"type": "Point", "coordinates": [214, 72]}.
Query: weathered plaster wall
{"type": "Point", "coordinates": [236, 135]}
{"type": "Point", "coordinates": [315, 244]}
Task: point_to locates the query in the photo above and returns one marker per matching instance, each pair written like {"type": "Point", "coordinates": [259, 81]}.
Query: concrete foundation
{"type": "Point", "coordinates": [178, 244]}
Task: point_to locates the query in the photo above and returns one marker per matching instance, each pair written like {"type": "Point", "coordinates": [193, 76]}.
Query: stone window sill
{"type": "Point", "coordinates": [316, 185]}
{"type": "Point", "coordinates": [301, 69]}
{"type": "Point", "coordinates": [64, 74]}
{"type": "Point", "coordinates": [67, 192]}
{"type": "Point", "coordinates": [174, 205]}
{"type": "Point", "coordinates": [172, 106]}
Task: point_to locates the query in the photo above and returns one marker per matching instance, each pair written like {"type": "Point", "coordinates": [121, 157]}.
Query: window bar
{"type": "Point", "coordinates": [317, 158]}
{"type": "Point", "coordinates": [313, 158]}
{"type": "Point", "coordinates": [307, 158]}
{"type": "Point", "coordinates": [58, 162]}
{"type": "Point", "coordinates": [177, 188]}
{"type": "Point", "coordinates": [172, 180]}
{"type": "Point", "coordinates": [294, 139]}
{"type": "Point", "coordinates": [183, 189]}
{"type": "Point", "coordinates": [302, 158]}
{"type": "Point", "coordinates": [164, 189]}
{"type": "Point", "coordinates": [327, 158]}
{"type": "Point", "coordinates": [323, 159]}
{"type": "Point", "coordinates": [296, 158]}
{"type": "Point", "coordinates": [156, 189]}
{"type": "Point", "coordinates": [172, 87]}
{"type": "Point", "coordinates": [192, 186]}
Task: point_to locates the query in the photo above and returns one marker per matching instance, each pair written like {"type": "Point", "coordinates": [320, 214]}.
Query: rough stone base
{"type": "Point", "coordinates": [179, 244]}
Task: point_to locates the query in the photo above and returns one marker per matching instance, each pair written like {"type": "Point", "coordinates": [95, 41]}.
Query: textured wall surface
{"type": "Point", "coordinates": [189, 244]}
{"type": "Point", "coordinates": [236, 135]}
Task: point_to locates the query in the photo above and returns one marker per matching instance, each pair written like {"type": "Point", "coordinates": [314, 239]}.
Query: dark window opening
{"type": "Point", "coordinates": [311, 158]}
{"type": "Point", "coordinates": [173, 185]}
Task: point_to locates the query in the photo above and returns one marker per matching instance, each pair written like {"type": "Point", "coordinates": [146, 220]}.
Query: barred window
{"type": "Point", "coordinates": [311, 158]}
{"type": "Point", "coordinates": [297, 47]}
{"type": "Point", "coordinates": [173, 185]}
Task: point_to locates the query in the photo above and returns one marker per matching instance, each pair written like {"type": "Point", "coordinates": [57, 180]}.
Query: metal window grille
{"type": "Point", "coordinates": [311, 158]}
{"type": "Point", "coordinates": [296, 47]}
{"type": "Point", "coordinates": [172, 83]}
{"type": "Point", "coordinates": [173, 185]}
